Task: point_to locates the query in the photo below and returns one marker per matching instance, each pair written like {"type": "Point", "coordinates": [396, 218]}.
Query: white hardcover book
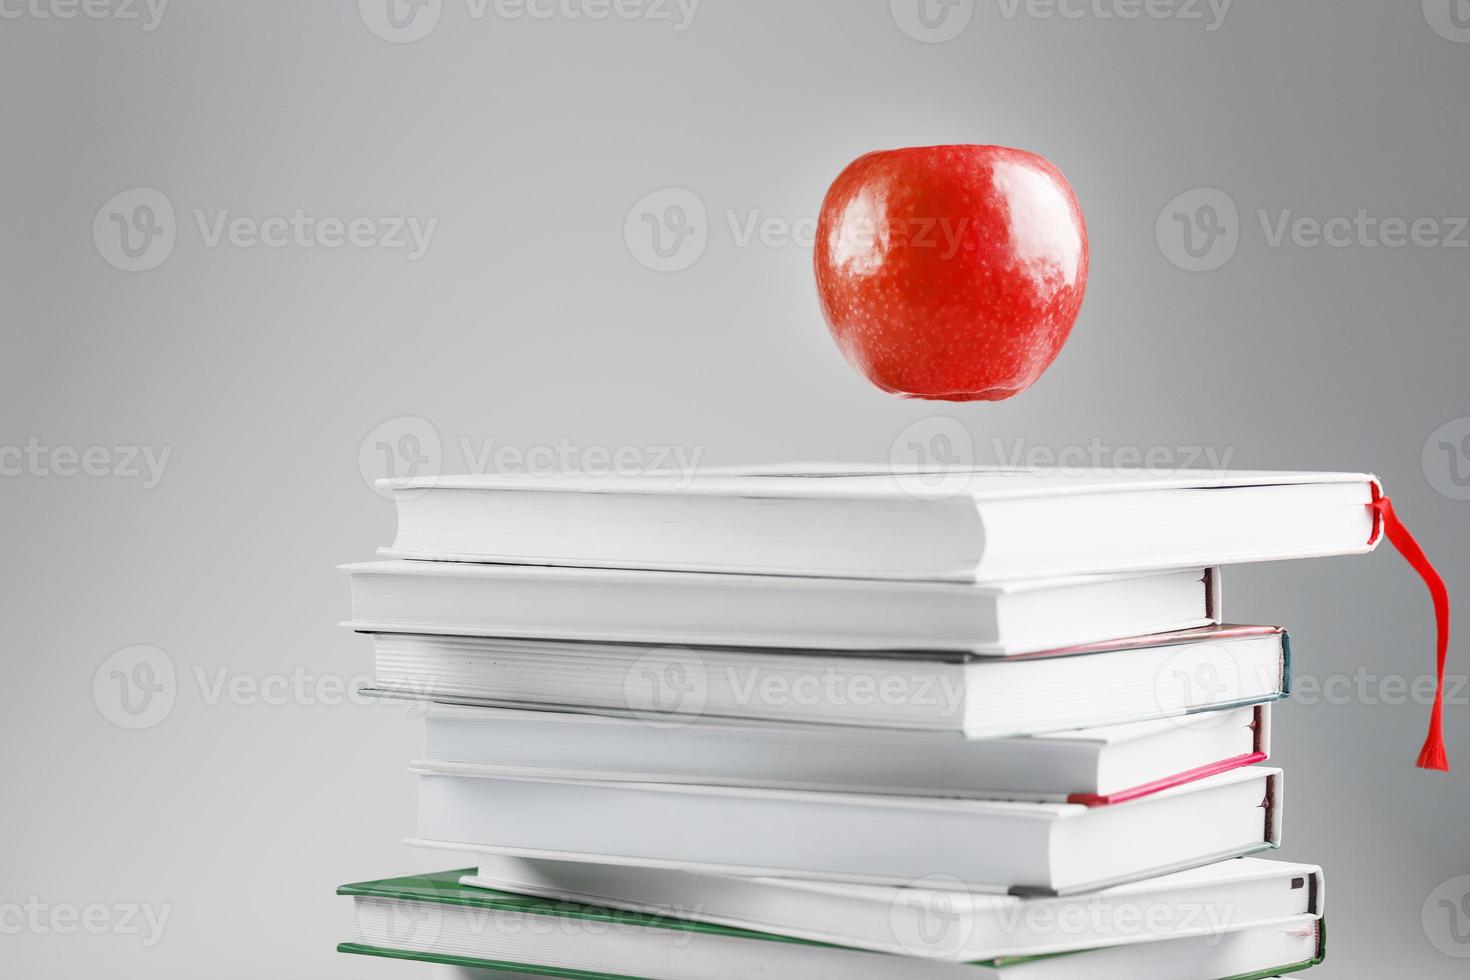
{"type": "Point", "coordinates": [997, 847]}
{"type": "Point", "coordinates": [1094, 765]}
{"type": "Point", "coordinates": [970, 525]}
{"type": "Point", "coordinates": [620, 605]}
{"type": "Point", "coordinates": [1134, 680]}
{"type": "Point", "coordinates": [920, 920]}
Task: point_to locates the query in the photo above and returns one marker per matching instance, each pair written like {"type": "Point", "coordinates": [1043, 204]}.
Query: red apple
{"type": "Point", "coordinates": [951, 272]}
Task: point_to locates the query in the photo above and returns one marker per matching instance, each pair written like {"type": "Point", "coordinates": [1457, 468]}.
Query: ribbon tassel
{"type": "Point", "coordinates": [1433, 755]}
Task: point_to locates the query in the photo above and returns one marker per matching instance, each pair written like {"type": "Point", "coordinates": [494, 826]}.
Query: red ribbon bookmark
{"type": "Point", "coordinates": [1432, 756]}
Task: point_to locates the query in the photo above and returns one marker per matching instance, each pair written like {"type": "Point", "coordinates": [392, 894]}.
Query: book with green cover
{"type": "Point", "coordinates": [434, 918]}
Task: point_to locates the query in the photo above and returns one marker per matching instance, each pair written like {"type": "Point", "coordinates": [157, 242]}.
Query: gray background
{"type": "Point", "coordinates": [530, 321]}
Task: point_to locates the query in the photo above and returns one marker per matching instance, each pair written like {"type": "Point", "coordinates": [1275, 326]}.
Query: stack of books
{"type": "Point", "coordinates": [835, 724]}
